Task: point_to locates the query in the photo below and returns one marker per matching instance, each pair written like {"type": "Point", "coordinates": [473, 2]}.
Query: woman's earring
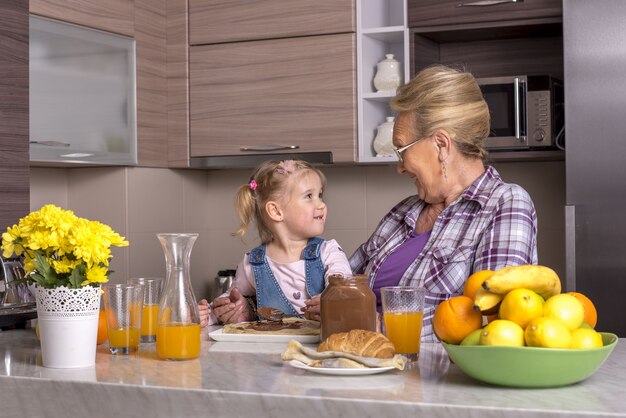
{"type": "Point", "coordinates": [443, 170]}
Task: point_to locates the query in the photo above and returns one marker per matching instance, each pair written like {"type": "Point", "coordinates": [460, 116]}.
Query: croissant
{"type": "Point", "coordinates": [359, 342]}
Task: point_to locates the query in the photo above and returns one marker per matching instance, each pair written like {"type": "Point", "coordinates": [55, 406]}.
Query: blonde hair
{"type": "Point", "coordinates": [268, 182]}
{"type": "Point", "coordinates": [441, 97]}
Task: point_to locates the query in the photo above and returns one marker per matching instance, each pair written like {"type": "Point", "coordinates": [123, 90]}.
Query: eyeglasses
{"type": "Point", "coordinates": [400, 151]}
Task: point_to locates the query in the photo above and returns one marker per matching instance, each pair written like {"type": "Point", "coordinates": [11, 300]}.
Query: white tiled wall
{"type": "Point", "coordinates": [141, 202]}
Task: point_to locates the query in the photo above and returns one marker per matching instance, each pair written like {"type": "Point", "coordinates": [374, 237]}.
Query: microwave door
{"type": "Point", "coordinates": [507, 107]}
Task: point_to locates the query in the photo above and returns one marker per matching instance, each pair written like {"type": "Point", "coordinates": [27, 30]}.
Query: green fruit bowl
{"type": "Point", "coordinates": [530, 367]}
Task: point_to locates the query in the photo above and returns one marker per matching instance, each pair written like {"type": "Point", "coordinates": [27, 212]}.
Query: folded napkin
{"type": "Point", "coordinates": [337, 359]}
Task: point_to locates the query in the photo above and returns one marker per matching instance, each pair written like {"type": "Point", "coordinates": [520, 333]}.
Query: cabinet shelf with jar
{"type": "Point", "coordinates": [381, 31]}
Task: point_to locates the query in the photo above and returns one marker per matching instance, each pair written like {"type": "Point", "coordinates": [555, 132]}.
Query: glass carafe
{"type": "Point", "coordinates": [178, 323]}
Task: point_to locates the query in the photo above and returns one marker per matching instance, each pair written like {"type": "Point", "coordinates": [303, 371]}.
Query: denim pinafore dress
{"type": "Point", "coordinates": [268, 291]}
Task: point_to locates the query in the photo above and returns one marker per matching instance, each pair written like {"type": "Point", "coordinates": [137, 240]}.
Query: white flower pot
{"type": "Point", "coordinates": [68, 325]}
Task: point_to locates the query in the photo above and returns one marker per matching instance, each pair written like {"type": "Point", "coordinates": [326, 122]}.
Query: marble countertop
{"type": "Point", "coordinates": [250, 380]}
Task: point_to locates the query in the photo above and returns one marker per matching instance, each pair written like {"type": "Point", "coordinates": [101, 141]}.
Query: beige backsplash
{"type": "Point", "coordinates": [140, 202]}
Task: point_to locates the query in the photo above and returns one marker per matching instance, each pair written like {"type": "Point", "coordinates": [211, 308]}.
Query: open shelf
{"type": "Point", "coordinates": [381, 30]}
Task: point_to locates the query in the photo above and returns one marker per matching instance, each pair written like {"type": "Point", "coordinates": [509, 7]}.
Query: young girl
{"type": "Point", "coordinates": [288, 270]}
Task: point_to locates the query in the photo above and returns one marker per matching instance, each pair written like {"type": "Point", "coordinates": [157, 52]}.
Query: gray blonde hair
{"type": "Point", "coordinates": [268, 182]}
{"type": "Point", "coordinates": [441, 97]}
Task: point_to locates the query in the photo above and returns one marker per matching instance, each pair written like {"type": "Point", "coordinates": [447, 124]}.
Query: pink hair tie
{"type": "Point", "coordinates": [252, 184]}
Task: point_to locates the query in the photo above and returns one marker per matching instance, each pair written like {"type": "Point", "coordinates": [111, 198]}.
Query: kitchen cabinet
{"type": "Point", "coordinates": [244, 20]}
{"type": "Point", "coordinates": [115, 16]}
{"type": "Point", "coordinates": [82, 95]}
{"type": "Point", "coordinates": [146, 21]}
{"type": "Point", "coordinates": [292, 92]}
{"type": "Point", "coordinates": [14, 169]}
{"type": "Point", "coordinates": [446, 12]}
{"type": "Point", "coordinates": [381, 30]}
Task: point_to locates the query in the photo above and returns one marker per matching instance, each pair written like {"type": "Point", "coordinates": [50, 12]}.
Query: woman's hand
{"type": "Point", "coordinates": [232, 309]}
{"type": "Point", "coordinates": [205, 312]}
{"type": "Point", "coordinates": [312, 308]}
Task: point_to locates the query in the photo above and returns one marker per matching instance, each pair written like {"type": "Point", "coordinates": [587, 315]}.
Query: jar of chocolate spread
{"type": "Point", "coordinates": [347, 303]}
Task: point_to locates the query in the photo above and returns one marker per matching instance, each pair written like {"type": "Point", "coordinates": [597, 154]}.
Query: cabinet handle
{"type": "Point", "coordinates": [267, 148]}
{"type": "Point", "coordinates": [486, 3]}
{"type": "Point", "coordinates": [51, 143]}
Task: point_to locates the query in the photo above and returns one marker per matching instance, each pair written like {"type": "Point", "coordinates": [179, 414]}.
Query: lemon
{"type": "Point", "coordinates": [473, 338]}
{"type": "Point", "coordinates": [521, 306]}
{"type": "Point", "coordinates": [548, 333]}
{"type": "Point", "coordinates": [565, 308]}
{"type": "Point", "coordinates": [502, 332]}
{"type": "Point", "coordinates": [586, 338]}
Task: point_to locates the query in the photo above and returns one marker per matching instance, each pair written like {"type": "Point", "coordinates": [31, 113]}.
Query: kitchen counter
{"type": "Point", "coordinates": [249, 380]}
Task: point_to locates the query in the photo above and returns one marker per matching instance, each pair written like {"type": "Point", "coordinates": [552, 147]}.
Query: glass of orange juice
{"type": "Point", "coordinates": [123, 305]}
{"type": "Point", "coordinates": [152, 287]}
{"type": "Point", "coordinates": [403, 312]}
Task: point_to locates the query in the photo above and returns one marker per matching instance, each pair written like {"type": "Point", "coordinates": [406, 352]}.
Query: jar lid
{"type": "Point", "coordinates": [226, 272]}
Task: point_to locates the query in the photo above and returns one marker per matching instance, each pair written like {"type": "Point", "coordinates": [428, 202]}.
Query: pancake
{"type": "Point", "coordinates": [286, 326]}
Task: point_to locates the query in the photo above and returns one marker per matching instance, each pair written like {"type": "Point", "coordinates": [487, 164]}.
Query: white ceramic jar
{"type": "Point", "coordinates": [383, 144]}
{"type": "Point", "coordinates": [388, 74]}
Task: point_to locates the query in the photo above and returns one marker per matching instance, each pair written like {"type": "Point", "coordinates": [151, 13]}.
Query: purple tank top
{"type": "Point", "coordinates": [397, 262]}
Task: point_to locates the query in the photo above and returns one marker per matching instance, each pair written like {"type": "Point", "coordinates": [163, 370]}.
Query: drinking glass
{"type": "Point", "coordinates": [403, 311]}
{"type": "Point", "coordinates": [152, 288]}
{"type": "Point", "coordinates": [122, 306]}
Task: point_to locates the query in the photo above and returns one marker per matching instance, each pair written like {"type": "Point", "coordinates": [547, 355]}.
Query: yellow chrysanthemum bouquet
{"type": "Point", "coordinates": [61, 249]}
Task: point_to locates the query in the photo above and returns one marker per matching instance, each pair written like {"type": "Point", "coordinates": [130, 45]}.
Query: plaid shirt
{"type": "Point", "coordinates": [491, 225]}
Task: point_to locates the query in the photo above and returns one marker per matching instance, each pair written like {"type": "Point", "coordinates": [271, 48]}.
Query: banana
{"type": "Point", "coordinates": [487, 302]}
{"type": "Point", "coordinates": [540, 279]}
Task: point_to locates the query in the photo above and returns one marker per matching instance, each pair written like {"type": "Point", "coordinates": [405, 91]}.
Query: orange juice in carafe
{"type": "Point", "coordinates": [178, 319]}
{"type": "Point", "coordinates": [178, 341]}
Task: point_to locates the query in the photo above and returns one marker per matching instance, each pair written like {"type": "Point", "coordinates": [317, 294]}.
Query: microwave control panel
{"type": "Point", "coordinates": [539, 119]}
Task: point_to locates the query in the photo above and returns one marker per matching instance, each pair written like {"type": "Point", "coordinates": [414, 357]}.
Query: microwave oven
{"type": "Point", "coordinates": [527, 112]}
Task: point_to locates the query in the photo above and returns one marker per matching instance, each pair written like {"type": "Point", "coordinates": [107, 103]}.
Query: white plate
{"type": "Point", "coordinates": [218, 335]}
{"type": "Point", "coordinates": [339, 372]}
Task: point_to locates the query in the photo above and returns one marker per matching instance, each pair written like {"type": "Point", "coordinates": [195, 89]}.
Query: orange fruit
{"type": "Point", "coordinates": [102, 328]}
{"type": "Point", "coordinates": [591, 315]}
{"type": "Point", "coordinates": [475, 281]}
{"type": "Point", "coordinates": [565, 308]}
{"type": "Point", "coordinates": [455, 318]}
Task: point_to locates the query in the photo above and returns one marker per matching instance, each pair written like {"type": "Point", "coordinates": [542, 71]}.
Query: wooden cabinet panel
{"type": "Point", "coordinates": [109, 15]}
{"type": "Point", "coordinates": [242, 20]}
{"type": "Point", "coordinates": [14, 169]}
{"type": "Point", "coordinates": [297, 91]}
{"type": "Point", "coordinates": [447, 12]}
{"type": "Point", "coordinates": [151, 53]}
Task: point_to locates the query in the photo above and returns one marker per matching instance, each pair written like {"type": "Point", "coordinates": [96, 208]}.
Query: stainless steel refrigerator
{"type": "Point", "coordinates": [594, 36]}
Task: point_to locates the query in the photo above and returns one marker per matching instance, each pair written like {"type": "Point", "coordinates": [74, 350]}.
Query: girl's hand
{"type": "Point", "coordinates": [232, 309]}
{"type": "Point", "coordinates": [205, 312]}
{"type": "Point", "coordinates": [312, 308]}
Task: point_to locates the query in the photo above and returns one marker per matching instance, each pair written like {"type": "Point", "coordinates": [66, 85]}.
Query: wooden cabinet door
{"type": "Point", "coordinates": [296, 91]}
{"type": "Point", "coordinates": [448, 12]}
{"type": "Point", "coordinates": [115, 16]}
{"type": "Point", "coordinates": [242, 20]}
{"type": "Point", "coordinates": [14, 169]}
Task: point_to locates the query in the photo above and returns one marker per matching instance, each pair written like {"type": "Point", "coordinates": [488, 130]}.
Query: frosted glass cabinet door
{"type": "Point", "coordinates": [82, 95]}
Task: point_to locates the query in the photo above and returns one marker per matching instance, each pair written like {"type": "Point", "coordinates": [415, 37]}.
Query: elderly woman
{"type": "Point", "coordinates": [464, 218]}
